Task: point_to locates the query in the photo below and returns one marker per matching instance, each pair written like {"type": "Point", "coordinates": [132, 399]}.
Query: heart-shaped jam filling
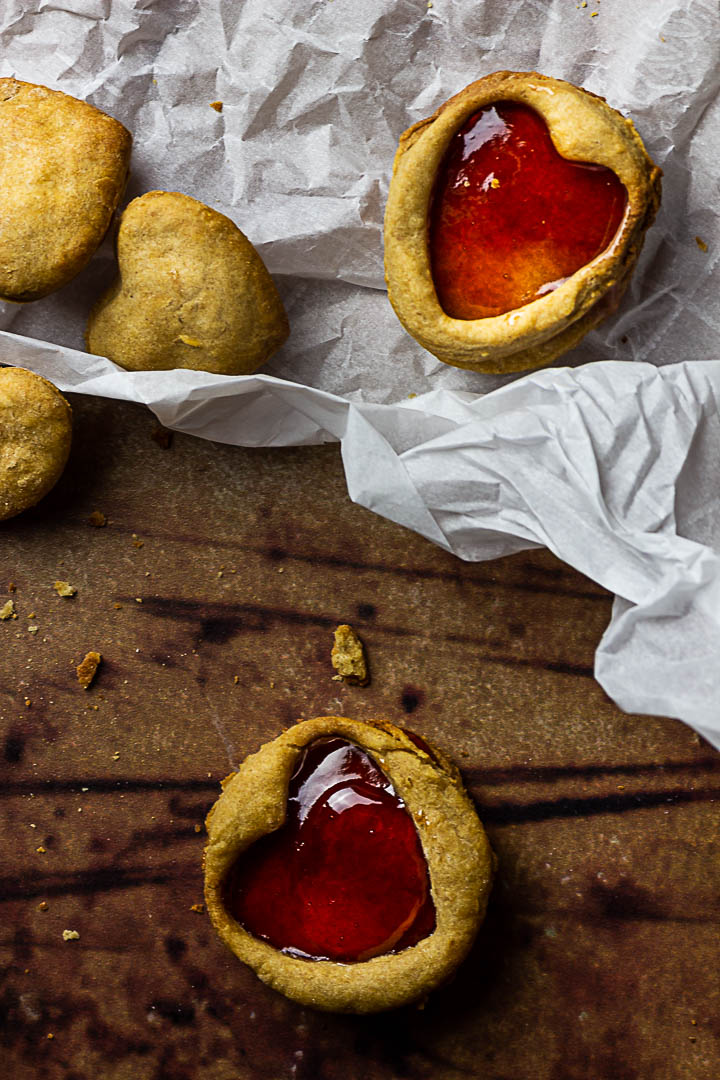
{"type": "Point", "coordinates": [511, 219]}
{"type": "Point", "coordinates": [345, 877]}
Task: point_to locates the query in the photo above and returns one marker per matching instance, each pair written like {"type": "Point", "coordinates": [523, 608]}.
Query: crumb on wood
{"type": "Point", "coordinates": [64, 588]}
{"type": "Point", "coordinates": [348, 657]}
{"type": "Point", "coordinates": [12, 587]}
{"type": "Point", "coordinates": [162, 436]}
{"type": "Point", "coordinates": [87, 670]}
{"type": "Point", "coordinates": [7, 611]}
{"type": "Point", "coordinates": [197, 908]}
{"type": "Point", "coordinates": [98, 519]}
{"type": "Point", "coordinates": [70, 935]}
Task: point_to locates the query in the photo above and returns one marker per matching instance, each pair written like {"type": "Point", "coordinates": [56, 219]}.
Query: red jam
{"type": "Point", "coordinates": [345, 877]}
{"type": "Point", "coordinates": [511, 219]}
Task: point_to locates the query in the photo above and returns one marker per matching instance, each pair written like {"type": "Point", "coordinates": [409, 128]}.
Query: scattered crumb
{"type": "Point", "coordinates": [43, 905]}
{"type": "Point", "coordinates": [494, 183]}
{"type": "Point", "coordinates": [87, 670]}
{"type": "Point", "coordinates": [70, 935]}
{"type": "Point", "coordinates": [137, 542]}
{"type": "Point", "coordinates": [198, 908]}
{"type": "Point", "coordinates": [28, 702]}
{"type": "Point", "coordinates": [191, 341]}
{"type": "Point", "coordinates": [98, 519]}
{"type": "Point", "coordinates": [217, 106]}
{"type": "Point", "coordinates": [701, 243]}
{"type": "Point", "coordinates": [348, 657]}
{"type": "Point", "coordinates": [33, 629]}
{"type": "Point", "coordinates": [41, 850]}
{"type": "Point", "coordinates": [162, 436]}
{"type": "Point", "coordinates": [198, 828]}
{"type": "Point", "coordinates": [117, 606]}
{"type": "Point", "coordinates": [7, 611]}
{"type": "Point", "coordinates": [236, 679]}
{"type": "Point", "coordinates": [12, 587]}
{"type": "Point", "coordinates": [50, 1035]}
{"type": "Point", "coordinates": [64, 588]}
{"type": "Point", "coordinates": [116, 755]}
{"type": "Point", "coordinates": [138, 599]}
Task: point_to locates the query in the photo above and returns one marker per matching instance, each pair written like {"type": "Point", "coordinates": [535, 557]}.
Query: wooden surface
{"type": "Point", "coordinates": [212, 594]}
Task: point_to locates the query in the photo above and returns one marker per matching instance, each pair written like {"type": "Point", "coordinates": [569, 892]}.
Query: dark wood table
{"type": "Point", "coordinates": [212, 593]}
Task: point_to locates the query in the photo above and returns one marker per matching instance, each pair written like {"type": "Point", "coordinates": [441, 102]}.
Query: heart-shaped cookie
{"type": "Point", "coordinates": [63, 168]}
{"type": "Point", "coordinates": [511, 218]}
{"type": "Point", "coordinates": [192, 292]}
{"type": "Point", "coordinates": [346, 865]}
{"type": "Point", "coordinates": [515, 217]}
{"type": "Point", "coordinates": [345, 877]}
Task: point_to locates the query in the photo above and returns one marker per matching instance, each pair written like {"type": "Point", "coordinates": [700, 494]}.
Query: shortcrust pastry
{"type": "Point", "coordinates": [515, 216]}
{"type": "Point", "coordinates": [35, 436]}
{"type": "Point", "coordinates": [63, 168]}
{"type": "Point", "coordinates": [192, 292]}
{"type": "Point", "coordinates": [347, 866]}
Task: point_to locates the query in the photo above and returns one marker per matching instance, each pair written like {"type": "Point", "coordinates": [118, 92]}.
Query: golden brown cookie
{"type": "Point", "coordinates": [63, 168]}
{"type": "Point", "coordinates": [35, 434]}
{"type": "Point", "coordinates": [347, 866]}
{"type": "Point", "coordinates": [515, 216]}
{"type": "Point", "coordinates": [192, 293]}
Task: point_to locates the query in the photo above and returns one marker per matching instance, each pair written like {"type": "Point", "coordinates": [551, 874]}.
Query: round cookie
{"type": "Point", "coordinates": [35, 436]}
{"type": "Point", "coordinates": [261, 800]}
{"type": "Point", "coordinates": [192, 293]}
{"type": "Point", "coordinates": [63, 168]}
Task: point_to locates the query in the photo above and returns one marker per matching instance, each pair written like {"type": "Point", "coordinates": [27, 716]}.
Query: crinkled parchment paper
{"type": "Point", "coordinates": [614, 465]}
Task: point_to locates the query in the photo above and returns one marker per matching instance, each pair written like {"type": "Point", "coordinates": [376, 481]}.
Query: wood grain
{"type": "Point", "coordinates": [212, 593]}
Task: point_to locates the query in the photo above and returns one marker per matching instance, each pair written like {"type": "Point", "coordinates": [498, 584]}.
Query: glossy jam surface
{"type": "Point", "coordinates": [345, 877]}
{"type": "Point", "coordinates": [510, 218]}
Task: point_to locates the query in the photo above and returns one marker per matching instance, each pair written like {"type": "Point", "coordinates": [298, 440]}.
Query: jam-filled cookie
{"type": "Point", "coordinates": [63, 168]}
{"type": "Point", "coordinates": [514, 219]}
{"type": "Point", "coordinates": [347, 866]}
{"type": "Point", "coordinates": [35, 435]}
{"type": "Point", "coordinates": [192, 293]}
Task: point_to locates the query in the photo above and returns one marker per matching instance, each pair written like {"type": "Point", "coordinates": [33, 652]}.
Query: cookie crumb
{"type": "Point", "coordinates": [162, 436]}
{"type": "Point", "coordinates": [701, 243]}
{"type": "Point", "coordinates": [348, 657]}
{"type": "Point", "coordinates": [64, 588]}
{"type": "Point", "coordinates": [97, 519]}
{"type": "Point", "coordinates": [197, 908]}
{"type": "Point", "coordinates": [7, 611]}
{"type": "Point", "coordinates": [43, 905]}
{"type": "Point", "coordinates": [12, 587]}
{"type": "Point", "coordinates": [70, 935]}
{"type": "Point", "coordinates": [87, 670]}
{"type": "Point", "coordinates": [217, 106]}
{"type": "Point", "coordinates": [41, 850]}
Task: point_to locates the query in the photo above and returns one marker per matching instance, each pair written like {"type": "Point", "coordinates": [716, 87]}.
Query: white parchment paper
{"type": "Point", "coordinates": [612, 464]}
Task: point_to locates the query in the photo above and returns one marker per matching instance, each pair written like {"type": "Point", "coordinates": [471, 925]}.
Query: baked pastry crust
{"type": "Point", "coordinates": [35, 436]}
{"type": "Point", "coordinates": [459, 860]}
{"type": "Point", "coordinates": [192, 293]}
{"type": "Point", "coordinates": [583, 127]}
{"type": "Point", "coordinates": [63, 168]}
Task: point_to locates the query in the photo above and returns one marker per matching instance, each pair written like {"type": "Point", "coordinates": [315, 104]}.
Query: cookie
{"type": "Point", "coordinates": [347, 866]}
{"type": "Point", "coordinates": [63, 168]}
{"type": "Point", "coordinates": [192, 293]}
{"type": "Point", "coordinates": [35, 435]}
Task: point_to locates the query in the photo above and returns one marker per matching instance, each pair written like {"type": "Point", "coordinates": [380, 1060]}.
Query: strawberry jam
{"type": "Point", "coordinates": [345, 877]}
{"type": "Point", "coordinates": [510, 218]}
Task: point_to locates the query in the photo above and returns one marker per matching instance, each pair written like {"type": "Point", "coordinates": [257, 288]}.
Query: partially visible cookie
{"type": "Point", "coordinates": [192, 293]}
{"type": "Point", "coordinates": [63, 168]}
{"type": "Point", "coordinates": [35, 435]}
